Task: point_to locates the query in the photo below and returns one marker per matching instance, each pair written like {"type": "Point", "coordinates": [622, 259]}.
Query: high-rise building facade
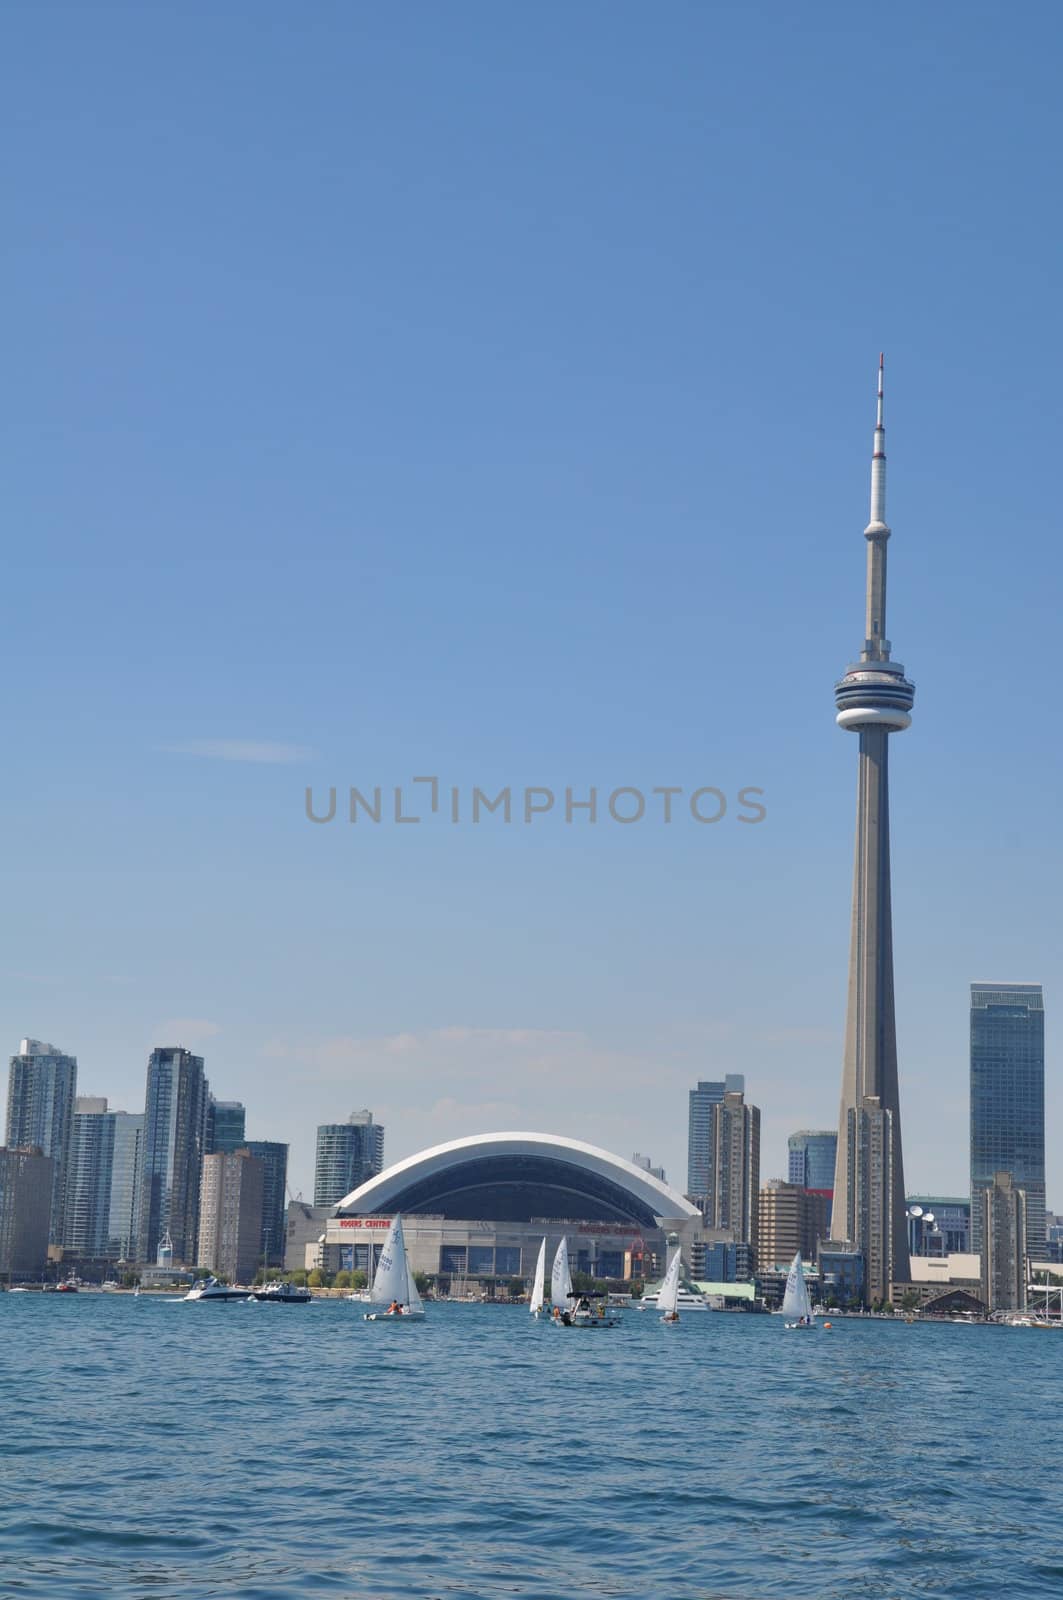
{"type": "Point", "coordinates": [175, 1128]}
{"type": "Point", "coordinates": [26, 1188]}
{"type": "Point", "coordinates": [274, 1159]}
{"type": "Point", "coordinates": [813, 1156]}
{"type": "Point", "coordinates": [101, 1189]}
{"type": "Point", "coordinates": [1003, 1225]}
{"type": "Point", "coordinates": [230, 1215]}
{"type": "Point", "coordinates": [348, 1155]}
{"type": "Point", "coordinates": [939, 1225]}
{"type": "Point", "coordinates": [699, 1129]}
{"type": "Point", "coordinates": [226, 1124]}
{"type": "Point", "coordinates": [1008, 1100]}
{"type": "Point", "coordinates": [874, 700]}
{"type": "Point", "coordinates": [792, 1219]}
{"type": "Point", "coordinates": [732, 1202]}
{"type": "Point", "coordinates": [40, 1114]}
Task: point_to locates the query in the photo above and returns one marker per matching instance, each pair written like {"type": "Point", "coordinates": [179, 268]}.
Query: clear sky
{"type": "Point", "coordinates": [487, 391]}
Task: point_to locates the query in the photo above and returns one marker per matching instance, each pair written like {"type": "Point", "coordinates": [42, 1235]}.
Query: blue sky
{"type": "Point", "coordinates": [487, 392]}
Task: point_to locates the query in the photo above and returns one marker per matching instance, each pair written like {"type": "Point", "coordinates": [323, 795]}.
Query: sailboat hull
{"type": "Point", "coordinates": [394, 1316]}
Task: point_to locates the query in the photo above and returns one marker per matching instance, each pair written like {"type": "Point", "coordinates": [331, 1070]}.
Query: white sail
{"type": "Point", "coordinates": [535, 1305]}
{"type": "Point", "coordinates": [393, 1279]}
{"type": "Point", "coordinates": [668, 1294]}
{"type": "Point", "coordinates": [795, 1302]}
{"type": "Point", "coordinates": [560, 1277]}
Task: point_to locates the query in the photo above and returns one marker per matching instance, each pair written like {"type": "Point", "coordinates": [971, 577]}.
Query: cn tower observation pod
{"type": "Point", "coordinates": [515, 1177]}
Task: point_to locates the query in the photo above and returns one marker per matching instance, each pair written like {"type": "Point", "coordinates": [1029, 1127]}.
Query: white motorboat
{"type": "Point", "coordinates": [211, 1289]}
{"type": "Point", "coordinates": [796, 1306]}
{"type": "Point", "coordinates": [393, 1284]}
{"type": "Point", "coordinates": [686, 1300]}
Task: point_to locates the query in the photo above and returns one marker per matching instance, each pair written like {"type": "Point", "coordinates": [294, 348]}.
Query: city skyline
{"type": "Point", "coordinates": [462, 526]}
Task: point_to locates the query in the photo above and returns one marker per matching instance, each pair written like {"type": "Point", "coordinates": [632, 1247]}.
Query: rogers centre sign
{"type": "Point", "coordinates": [364, 1222]}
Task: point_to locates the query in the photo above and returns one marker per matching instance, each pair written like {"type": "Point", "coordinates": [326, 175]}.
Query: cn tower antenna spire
{"type": "Point", "coordinates": [877, 523]}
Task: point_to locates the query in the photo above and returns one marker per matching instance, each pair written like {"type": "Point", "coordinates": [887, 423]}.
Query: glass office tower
{"type": "Point", "coordinates": [1008, 1100]}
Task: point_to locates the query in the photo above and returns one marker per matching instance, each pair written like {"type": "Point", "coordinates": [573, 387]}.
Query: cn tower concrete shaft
{"type": "Point", "coordinates": [874, 699]}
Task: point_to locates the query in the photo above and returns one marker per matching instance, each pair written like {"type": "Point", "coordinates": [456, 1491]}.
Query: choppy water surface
{"type": "Point", "coordinates": [186, 1451]}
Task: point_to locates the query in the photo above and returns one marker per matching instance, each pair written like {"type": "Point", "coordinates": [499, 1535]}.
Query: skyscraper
{"type": "Point", "coordinates": [230, 1214]}
{"type": "Point", "coordinates": [874, 699]}
{"type": "Point", "coordinates": [348, 1154]}
{"type": "Point", "coordinates": [732, 1199]}
{"type": "Point", "coordinates": [274, 1159]}
{"type": "Point", "coordinates": [101, 1187]}
{"type": "Point", "coordinates": [699, 1129]}
{"type": "Point", "coordinates": [226, 1122]}
{"type": "Point", "coordinates": [813, 1156]}
{"type": "Point", "coordinates": [175, 1125]}
{"type": "Point", "coordinates": [40, 1114]}
{"type": "Point", "coordinates": [25, 1211]}
{"type": "Point", "coordinates": [1008, 1100]}
{"type": "Point", "coordinates": [1003, 1226]}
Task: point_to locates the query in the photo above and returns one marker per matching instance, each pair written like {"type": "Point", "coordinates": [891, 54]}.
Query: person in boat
{"type": "Point", "coordinates": [671, 1316]}
{"type": "Point", "coordinates": [394, 1309]}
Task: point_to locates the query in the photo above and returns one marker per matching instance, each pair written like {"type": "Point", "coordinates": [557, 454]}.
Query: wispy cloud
{"type": "Point", "coordinates": [254, 750]}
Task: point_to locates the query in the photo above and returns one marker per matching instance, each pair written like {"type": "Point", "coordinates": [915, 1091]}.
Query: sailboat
{"type": "Point", "coordinates": [393, 1284]}
{"type": "Point", "coordinates": [795, 1303]}
{"type": "Point", "coordinates": [668, 1294]}
{"type": "Point", "coordinates": [535, 1304]}
{"type": "Point", "coordinates": [561, 1282]}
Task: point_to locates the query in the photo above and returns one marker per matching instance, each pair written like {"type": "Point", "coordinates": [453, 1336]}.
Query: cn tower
{"type": "Point", "coordinates": [874, 700]}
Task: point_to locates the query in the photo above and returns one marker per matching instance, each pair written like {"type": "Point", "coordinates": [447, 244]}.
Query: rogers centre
{"type": "Point", "coordinates": [478, 1208]}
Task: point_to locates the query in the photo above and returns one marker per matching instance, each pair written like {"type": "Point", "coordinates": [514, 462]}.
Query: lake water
{"type": "Point", "coordinates": [185, 1451]}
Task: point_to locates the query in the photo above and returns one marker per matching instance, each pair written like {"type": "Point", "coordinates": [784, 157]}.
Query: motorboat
{"type": "Point", "coordinates": [282, 1293]}
{"type": "Point", "coordinates": [584, 1313]}
{"type": "Point", "coordinates": [211, 1289]}
{"type": "Point", "coordinates": [686, 1300]}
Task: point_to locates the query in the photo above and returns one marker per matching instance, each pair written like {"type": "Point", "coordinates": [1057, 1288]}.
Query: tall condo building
{"type": "Point", "coordinates": [792, 1218]}
{"type": "Point", "coordinates": [732, 1199]}
{"type": "Point", "coordinates": [25, 1211]}
{"type": "Point", "coordinates": [230, 1215]}
{"type": "Point", "coordinates": [175, 1128]}
{"type": "Point", "coordinates": [101, 1189]}
{"type": "Point", "coordinates": [813, 1156]}
{"type": "Point", "coordinates": [274, 1159]}
{"type": "Point", "coordinates": [348, 1154]}
{"type": "Point", "coordinates": [1008, 1100]}
{"type": "Point", "coordinates": [226, 1122]}
{"type": "Point", "coordinates": [40, 1114]}
{"type": "Point", "coordinates": [699, 1129]}
{"type": "Point", "coordinates": [1003, 1228]}
{"type": "Point", "coordinates": [873, 700]}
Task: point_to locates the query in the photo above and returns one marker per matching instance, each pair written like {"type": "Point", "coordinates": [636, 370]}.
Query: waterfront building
{"type": "Point", "coordinates": [26, 1191]}
{"type": "Point", "coordinates": [721, 1261]}
{"type": "Point", "coordinates": [1003, 1233]}
{"type": "Point", "coordinates": [1008, 1100]}
{"type": "Point", "coordinates": [101, 1189]}
{"type": "Point", "coordinates": [733, 1198]}
{"type": "Point", "coordinates": [274, 1159]}
{"type": "Point", "coordinates": [230, 1215]}
{"type": "Point", "coordinates": [841, 1273]}
{"type": "Point", "coordinates": [938, 1225]}
{"type": "Point", "coordinates": [703, 1099]}
{"type": "Point", "coordinates": [304, 1229]}
{"type": "Point", "coordinates": [792, 1219]}
{"type": "Point", "coordinates": [175, 1126]}
{"type": "Point", "coordinates": [477, 1209]}
{"type": "Point", "coordinates": [226, 1125]}
{"type": "Point", "coordinates": [348, 1155]}
{"type": "Point", "coordinates": [874, 700]}
{"type": "Point", "coordinates": [41, 1088]}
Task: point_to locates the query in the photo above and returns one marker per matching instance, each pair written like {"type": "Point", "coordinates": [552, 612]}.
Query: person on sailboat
{"type": "Point", "coordinates": [394, 1309]}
